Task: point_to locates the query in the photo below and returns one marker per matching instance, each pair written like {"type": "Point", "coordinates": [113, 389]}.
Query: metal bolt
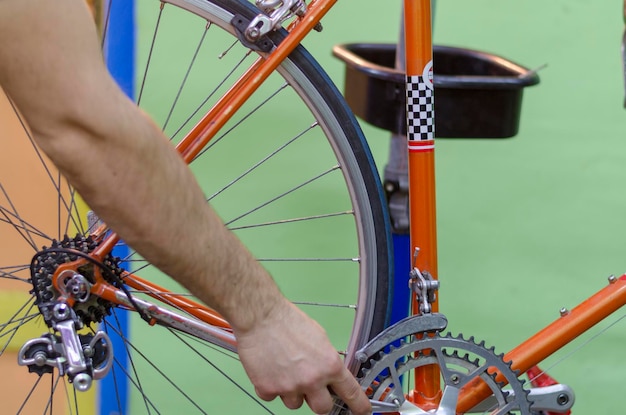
{"type": "Point", "coordinates": [40, 358]}
{"type": "Point", "coordinates": [253, 33]}
{"type": "Point", "coordinates": [612, 279]}
{"type": "Point", "coordinates": [61, 311]}
{"type": "Point", "coordinates": [88, 351]}
{"type": "Point", "coordinates": [562, 399]}
{"type": "Point", "coordinates": [564, 311]}
{"type": "Point", "coordinates": [455, 379]}
{"type": "Point", "coordinates": [82, 382]}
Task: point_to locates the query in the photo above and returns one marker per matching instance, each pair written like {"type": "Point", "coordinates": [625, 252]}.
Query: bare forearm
{"type": "Point", "coordinates": [139, 185]}
{"type": "Point", "coordinates": [121, 164]}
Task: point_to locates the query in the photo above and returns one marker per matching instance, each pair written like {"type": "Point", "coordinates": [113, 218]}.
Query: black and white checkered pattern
{"type": "Point", "coordinates": [420, 109]}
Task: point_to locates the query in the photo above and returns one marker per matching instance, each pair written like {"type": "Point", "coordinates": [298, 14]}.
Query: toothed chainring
{"type": "Point", "coordinates": [460, 361]}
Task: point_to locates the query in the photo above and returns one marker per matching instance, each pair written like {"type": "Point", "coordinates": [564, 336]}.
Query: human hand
{"type": "Point", "coordinates": [289, 355]}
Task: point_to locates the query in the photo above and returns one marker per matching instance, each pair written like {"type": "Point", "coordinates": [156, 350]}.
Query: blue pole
{"type": "Point", "coordinates": [119, 52]}
{"type": "Point", "coordinates": [402, 267]}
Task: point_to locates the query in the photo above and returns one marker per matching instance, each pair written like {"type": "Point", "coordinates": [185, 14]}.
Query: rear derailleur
{"type": "Point", "coordinates": [68, 307]}
{"type": "Point", "coordinates": [83, 358]}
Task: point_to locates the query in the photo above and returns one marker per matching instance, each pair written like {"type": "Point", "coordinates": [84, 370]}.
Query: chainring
{"type": "Point", "coordinates": [460, 361]}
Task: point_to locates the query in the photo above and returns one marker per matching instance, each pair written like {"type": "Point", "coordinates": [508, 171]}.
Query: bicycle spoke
{"type": "Point", "coordinates": [244, 118]}
{"type": "Point", "coordinates": [48, 171]}
{"type": "Point", "coordinates": [130, 346]}
{"type": "Point", "coordinates": [30, 393]}
{"type": "Point", "coordinates": [105, 20]}
{"type": "Point", "coordinates": [113, 373]}
{"type": "Point", "coordinates": [136, 379]}
{"type": "Point", "coordinates": [153, 42]}
{"type": "Point", "coordinates": [22, 226]}
{"type": "Point", "coordinates": [223, 82]}
{"type": "Point", "coordinates": [53, 387]}
{"type": "Point", "coordinates": [259, 163]}
{"type": "Point", "coordinates": [19, 228]}
{"type": "Point", "coordinates": [310, 303]}
{"type": "Point", "coordinates": [224, 374]}
{"type": "Point", "coordinates": [184, 81]}
{"type": "Point", "coordinates": [74, 216]}
{"type": "Point", "coordinates": [294, 220]}
{"type": "Point", "coordinates": [308, 259]}
{"type": "Point", "coordinates": [16, 321]}
{"type": "Point", "coordinates": [13, 325]}
{"type": "Point", "coordinates": [280, 196]}
{"type": "Point", "coordinates": [8, 273]}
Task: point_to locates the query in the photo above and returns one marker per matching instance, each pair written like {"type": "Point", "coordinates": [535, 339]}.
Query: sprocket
{"type": "Point", "coordinates": [46, 262]}
{"type": "Point", "coordinates": [460, 361]}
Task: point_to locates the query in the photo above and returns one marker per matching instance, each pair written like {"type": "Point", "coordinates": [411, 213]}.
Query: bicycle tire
{"type": "Point", "coordinates": [362, 186]}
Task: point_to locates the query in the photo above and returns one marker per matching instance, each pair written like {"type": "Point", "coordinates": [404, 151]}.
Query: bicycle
{"type": "Point", "coordinates": [369, 232]}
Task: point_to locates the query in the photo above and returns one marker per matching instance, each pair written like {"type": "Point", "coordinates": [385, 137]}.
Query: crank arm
{"type": "Point", "coordinates": [555, 398]}
{"type": "Point", "coordinates": [406, 408]}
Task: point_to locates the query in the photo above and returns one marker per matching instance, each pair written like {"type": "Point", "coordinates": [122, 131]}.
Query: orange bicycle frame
{"type": "Point", "coordinates": [423, 235]}
{"type": "Point", "coordinates": [421, 162]}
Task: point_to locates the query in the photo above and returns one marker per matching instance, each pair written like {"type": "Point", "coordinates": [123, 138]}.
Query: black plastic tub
{"type": "Point", "coordinates": [477, 94]}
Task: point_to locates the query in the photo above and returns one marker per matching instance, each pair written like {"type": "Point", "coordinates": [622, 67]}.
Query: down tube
{"type": "Point", "coordinates": [421, 158]}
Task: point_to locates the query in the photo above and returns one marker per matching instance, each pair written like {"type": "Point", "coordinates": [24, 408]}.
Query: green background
{"type": "Point", "coordinates": [535, 223]}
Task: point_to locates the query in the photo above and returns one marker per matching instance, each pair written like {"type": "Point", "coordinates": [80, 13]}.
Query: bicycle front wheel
{"type": "Point", "coordinates": [290, 174]}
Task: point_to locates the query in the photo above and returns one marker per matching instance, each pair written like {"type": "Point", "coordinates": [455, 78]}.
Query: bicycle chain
{"type": "Point", "coordinates": [459, 360]}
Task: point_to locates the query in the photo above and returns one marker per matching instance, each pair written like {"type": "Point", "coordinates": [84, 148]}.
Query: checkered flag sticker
{"type": "Point", "coordinates": [420, 109]}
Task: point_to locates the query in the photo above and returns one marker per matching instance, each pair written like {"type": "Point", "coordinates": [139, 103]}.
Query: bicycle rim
{"type": "Point", "coordinates": [290, 175]}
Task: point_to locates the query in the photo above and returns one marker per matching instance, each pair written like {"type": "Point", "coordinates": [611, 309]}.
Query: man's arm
{"type": "Point", "coordinates": [51, 67]}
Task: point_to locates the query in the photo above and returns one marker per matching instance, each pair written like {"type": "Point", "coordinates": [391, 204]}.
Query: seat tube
{"type": "Point", "coordinates": [421, 160]}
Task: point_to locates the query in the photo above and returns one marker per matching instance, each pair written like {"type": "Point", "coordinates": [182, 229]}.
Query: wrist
{"type": "Point", "coordinates": [265, 309]}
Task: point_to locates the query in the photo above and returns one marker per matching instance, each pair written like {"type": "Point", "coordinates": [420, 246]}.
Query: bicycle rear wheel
{"type": "Point", "coordinates": [290, 174]}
